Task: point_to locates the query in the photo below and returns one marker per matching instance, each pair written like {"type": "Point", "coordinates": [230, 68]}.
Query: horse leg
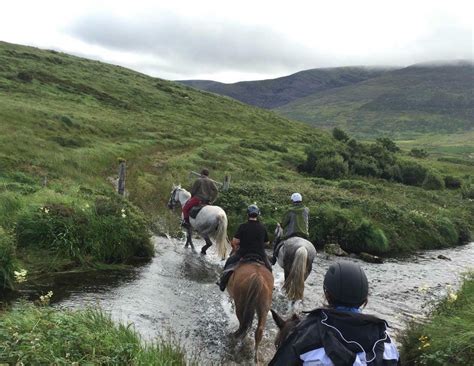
{"type": "Point", "coordinates": [189, 239]}
{"type": "Point", "coordinates": [208, 244]}
{"type": "Point", "coordinates": [262, 318]}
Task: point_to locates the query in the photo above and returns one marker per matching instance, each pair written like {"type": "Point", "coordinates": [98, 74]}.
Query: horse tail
{"type": "Point", "coordinates": [221, 235]}
{"type": "Point", "coordinates": [249, 304]}
{"type": "Point", "coordinates": [294, 283]}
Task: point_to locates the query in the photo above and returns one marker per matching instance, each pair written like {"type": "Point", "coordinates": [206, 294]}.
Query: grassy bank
{"type": "Point", "coordinates": [42, 335]}
{"type": "Point", "coordinates": [447, 337]}
{"type": "Point", "coordinates": [65, 121]}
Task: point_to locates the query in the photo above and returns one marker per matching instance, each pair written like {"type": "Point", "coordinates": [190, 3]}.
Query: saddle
{"type": "Point", "coordinates": [251, 258]}
{"type": "Point", "coordinates": [195, 210]}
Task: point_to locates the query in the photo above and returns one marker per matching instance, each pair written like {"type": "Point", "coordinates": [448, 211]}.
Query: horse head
{"type": "Point", "coordinates": [174, 201]}
{"type": "Point", "coordinates": [285, 327]}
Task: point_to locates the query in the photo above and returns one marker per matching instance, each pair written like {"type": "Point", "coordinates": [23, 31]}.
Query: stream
{"type": "Point", "coordinates": [176, 293]}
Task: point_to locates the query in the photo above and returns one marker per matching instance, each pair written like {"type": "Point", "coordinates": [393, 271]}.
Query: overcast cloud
{"type": "Point", "coordinates": [243, 40]}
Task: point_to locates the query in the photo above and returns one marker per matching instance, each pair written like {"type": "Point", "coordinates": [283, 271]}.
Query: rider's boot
{"type": "Point", "coordinates": [185, 224]}
{"type": "Point", "coordinates": [224, 279]}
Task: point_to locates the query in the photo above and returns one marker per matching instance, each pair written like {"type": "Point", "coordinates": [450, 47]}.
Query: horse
{"type": "Point", "coordinates": [296, 256]}
{"type": "Point", "coordinates": [251, 287]}
{"type": "Point", "coordinates": [211, 221]}
{"type": "Point", "coordinates": [285, 327]}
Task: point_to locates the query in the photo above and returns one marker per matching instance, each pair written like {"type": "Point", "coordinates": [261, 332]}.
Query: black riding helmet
{"type": "Point", "coordinates": [346, 284]}
{"type": "Point", "coordinates": [253, 211]}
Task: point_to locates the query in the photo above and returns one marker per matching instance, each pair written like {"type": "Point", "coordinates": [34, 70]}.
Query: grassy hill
{"type": "Point", "coordinates": [65, 121]}
{"type": "Point", "coordinates": [415, 100]}
{"type": "Point", "coordinates": [273, 93]}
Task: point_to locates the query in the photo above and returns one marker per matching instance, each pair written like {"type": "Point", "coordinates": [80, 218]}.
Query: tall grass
{"type": "Point", "coordinates": [42, 335]}
{"type": "Point", "coordinates": [447, 337]}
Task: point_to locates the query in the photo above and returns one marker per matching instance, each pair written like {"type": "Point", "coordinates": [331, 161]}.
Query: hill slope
{"type": "Point", "coordinates": [416, 99]}
{"type": "Point", "coordinates": [65, 120]}
{"type": "Point", "coordinates": [273, 93]}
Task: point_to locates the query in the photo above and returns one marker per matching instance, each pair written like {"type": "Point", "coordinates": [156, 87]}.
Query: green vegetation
{"type": "Point", "coordinates": [65, 122]}
{"type": "Point", "coordinates": [447, 338]}
{"type": "Point", "coordinates": [7, 259]}
{"type": "Point", "coordinates": [42, 335]}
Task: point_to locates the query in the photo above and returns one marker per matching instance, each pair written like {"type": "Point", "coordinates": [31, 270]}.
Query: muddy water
{"type": "Point", "coordinates": [176, 291]}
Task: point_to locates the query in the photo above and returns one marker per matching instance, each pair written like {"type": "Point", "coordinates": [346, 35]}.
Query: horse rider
{"type": "Point", "coordinates": [203, 191]}
{"type": "Point", "coordinates": [295, 223]}
{"type": "Point", "coordinates": [339, 334]}
{"type": "Point", "coordinates": [249, 240]}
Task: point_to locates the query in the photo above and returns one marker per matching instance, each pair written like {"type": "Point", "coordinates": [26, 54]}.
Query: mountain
{"type": "Point", "coordinates": [423, 98]}
{"type": "Point", "coordinates": [273, 93]}
{"type": "Point", "coordinates": [419, 99]}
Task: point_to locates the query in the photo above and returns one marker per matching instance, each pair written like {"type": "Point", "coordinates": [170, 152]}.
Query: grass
{"type": "Point", "coordinates": [65, 121]}
{"type": "Point", "coordinates": [43, 335]}
{"type": "Point", "coordinates": [447, 337]}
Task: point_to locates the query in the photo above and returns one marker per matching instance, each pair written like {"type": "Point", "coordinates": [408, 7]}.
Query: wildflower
{"type": "Point", "coordinates": [87, 205]}
{"type": "Point", "coordinates": [452, 297]}
{"type": "Point", "coordinates": [123, 210]}
{"type": "Point", "coordinates": [423, 288]}
{"type": "Point", "coordinates": [45, 299]}
{"type": "Point", "coordinates": [20, 276]}
{"type": "Point", "coordinates": [426, 345]}
{"type": "Point", "coordinates": [124, 216]}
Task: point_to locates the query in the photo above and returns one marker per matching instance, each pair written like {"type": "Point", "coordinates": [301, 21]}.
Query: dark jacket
{"type": "Point", "coordinates": [296, 221]}
{"type": "Point", "coordinates": [319, 339]}
{"type": "Point", "coordinates": [204, 189]}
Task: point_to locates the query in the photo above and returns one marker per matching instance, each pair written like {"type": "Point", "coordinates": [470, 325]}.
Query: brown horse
{"type": "Point", "coordinates": [251, 287]}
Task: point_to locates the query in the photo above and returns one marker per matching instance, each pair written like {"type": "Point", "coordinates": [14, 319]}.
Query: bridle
{"type": "Point", "coordinates": [173, 202]}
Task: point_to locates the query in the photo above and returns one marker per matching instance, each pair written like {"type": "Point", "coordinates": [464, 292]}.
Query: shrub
{"type": "Point", "coordinates": [433, 181]}
{"type": "Point", "coordinates": [111, 231]}
{"type": "Point", "coordinates": [368, 238]}
{"type": "Point", "coordinates": [331, 167]}
{"type": "Point", "coordinates": [339, 134]}
{"type": "Point", "coordinates": [452, 182]}
{"type": "Point", "coordinates": [366, 167]}
{"type": "Point", "coordinates": [447, 230]}
{"type": "Point", "coordinates": [66, 120]}
{"type": "Point", "coordinates": [418, 153]}
{"type": "Point", "coordinates": [388, 144]}
{"type": "Point", "coordinates": [392, 172]}
{"type": "Point", "coordinates": [356, 184]}
{"type": "Point", "coordinates": [413, 174]}
{"type": "Point", "coordinates": [7, 259]}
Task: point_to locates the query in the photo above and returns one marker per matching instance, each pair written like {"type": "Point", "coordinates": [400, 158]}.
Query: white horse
{"type": "Point", "coordinates": [296, 256]}
{"type": "Point", "coordinates": [211, 221]}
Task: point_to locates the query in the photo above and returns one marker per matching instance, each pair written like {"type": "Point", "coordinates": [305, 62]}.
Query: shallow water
{"type": "Point", "coordinates": [176, 291]}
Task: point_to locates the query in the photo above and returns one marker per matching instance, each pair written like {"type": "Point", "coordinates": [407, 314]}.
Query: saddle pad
{"type": "Point", "coordinates": [195, 210]}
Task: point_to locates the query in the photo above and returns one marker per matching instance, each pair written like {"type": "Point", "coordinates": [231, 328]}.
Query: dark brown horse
{"type": "Point", "coordinates": [285, 327]}
{"type": "Point", "coordinates": [251, 287]}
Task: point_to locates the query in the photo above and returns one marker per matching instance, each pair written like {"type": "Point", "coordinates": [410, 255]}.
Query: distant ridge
{"type": "Point", "coordinates": [273, 93]}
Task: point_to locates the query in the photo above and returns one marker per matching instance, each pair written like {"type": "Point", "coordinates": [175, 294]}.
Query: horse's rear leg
{"type": "Point", "coordinates": [206, 247]}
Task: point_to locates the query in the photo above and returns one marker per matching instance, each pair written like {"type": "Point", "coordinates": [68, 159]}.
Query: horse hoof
{"type": "Point", "coordinates": [203, 252]}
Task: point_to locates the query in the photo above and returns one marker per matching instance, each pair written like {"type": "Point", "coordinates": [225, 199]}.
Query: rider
{"type": "Point", "coordinates": [249, 240]}
{"type": "Point", "coordinates": [295, 223]}
{"type": "Point", "coordinates": [339, 334]}
{"type": "Point", "coordinates": [204, 191]}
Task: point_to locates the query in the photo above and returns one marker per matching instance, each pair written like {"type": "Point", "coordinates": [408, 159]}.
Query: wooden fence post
{"type": "Point", "coordinates": [226, 185]}
{"type": "Point", "coordinates": [121, 179]}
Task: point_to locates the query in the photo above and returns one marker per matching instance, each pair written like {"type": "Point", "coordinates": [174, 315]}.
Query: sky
{"type": "Point", "coordinates": [231, 41]}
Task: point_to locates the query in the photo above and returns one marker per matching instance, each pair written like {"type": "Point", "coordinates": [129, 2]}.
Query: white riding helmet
{"type": "Point", "coordinates": [296, 197]}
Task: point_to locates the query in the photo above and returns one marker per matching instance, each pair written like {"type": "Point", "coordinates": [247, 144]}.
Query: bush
{"type": "Point", "coordinates": [331, 167]}
{"type": "Point", "coordinates": [368, 238]}
{"type": "Point", "coordinates": [25, 76]}
{"type": "Point", "coordinates": [418, 153]}
{"type": "Point", "coordinates": [447, 230]}
{"type": "Point", "coordinates": [388, 144]}
{"type": "Point", "coordinates": [366, 167]}
{"type": "Point", "coordinates": [451, 182]}
{"type": "Point", "coordinates": [111, 231]}
{"type": "Point", "coordinates": [7, 259]}
{"type": "Point", "coordinates": [339, 134]}
{"type": "Point", "coordinates": [413, 174]}
{"type": "Point", "coordinates": [433, 181]}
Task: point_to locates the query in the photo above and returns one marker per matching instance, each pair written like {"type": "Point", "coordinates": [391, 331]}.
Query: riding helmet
{"type": "Point", "coordinates": [253, 211]}
{"type": "Point", "coordinates": [296, 197]}
{"type": "Point", "coordinates": [346, 284]}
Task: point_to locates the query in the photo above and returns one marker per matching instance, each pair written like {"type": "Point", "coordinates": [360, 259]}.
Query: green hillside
{"type": "Point", "coordinates": [65, 121]}
{"type": "Point", "coordinates": [408, 102]}
{"type": "Point", "coordinates": [273, 93]}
